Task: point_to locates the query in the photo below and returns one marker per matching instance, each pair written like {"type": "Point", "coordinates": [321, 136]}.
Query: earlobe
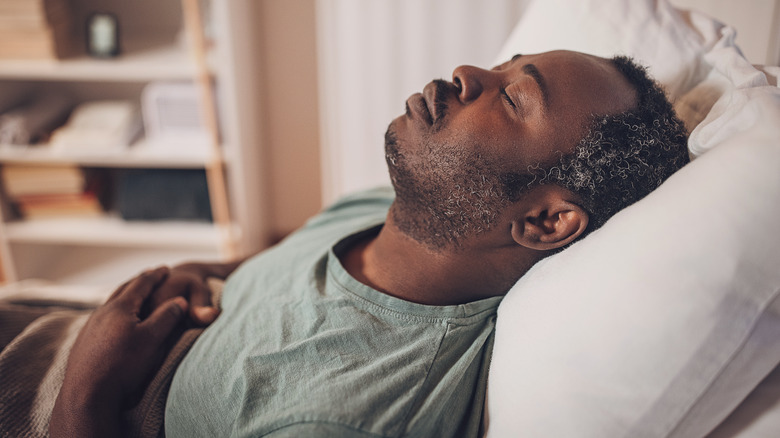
{"type": "Point", "coordinates": [551, 225]}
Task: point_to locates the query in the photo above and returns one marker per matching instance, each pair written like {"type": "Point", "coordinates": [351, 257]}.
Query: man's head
{"type": "Point", "coordinates": [548, 145]}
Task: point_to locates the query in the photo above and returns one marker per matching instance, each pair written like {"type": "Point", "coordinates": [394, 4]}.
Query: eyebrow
{"type": "Point", "coordinates": [532, 71]}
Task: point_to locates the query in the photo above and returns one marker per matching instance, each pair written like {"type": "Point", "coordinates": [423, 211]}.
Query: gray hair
{"type": "Point", "coordinates": [621, 158]}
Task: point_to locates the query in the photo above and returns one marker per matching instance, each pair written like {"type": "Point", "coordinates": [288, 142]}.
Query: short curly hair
{"type": "Point", "coordinates": [621, 158]}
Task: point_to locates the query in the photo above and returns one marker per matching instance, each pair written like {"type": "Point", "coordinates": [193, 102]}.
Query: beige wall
{"type": "Point", "coordinates": [754, 20]}
{"type": "Point", "coordinates": [287, 44]}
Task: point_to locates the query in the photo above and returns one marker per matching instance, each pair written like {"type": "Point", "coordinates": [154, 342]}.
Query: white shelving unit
{"type": "Point", "coordinates": [112, 230]}
{"type": "Point", "coordinates": [144, 61]}
{"type": "Point", "coordinates": [105, 250]}
{"type": "Point", "coordinates": [139, 155]}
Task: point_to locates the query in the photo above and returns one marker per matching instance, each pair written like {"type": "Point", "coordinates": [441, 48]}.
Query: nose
{"type": "Point", "coordinates": [471, 81]}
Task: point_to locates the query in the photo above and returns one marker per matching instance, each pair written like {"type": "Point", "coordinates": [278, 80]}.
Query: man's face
{"type": "Point", "coordinates": [446, 154]}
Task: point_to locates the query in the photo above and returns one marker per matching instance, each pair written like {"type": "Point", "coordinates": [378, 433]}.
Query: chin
{"type": "Point", "coordinates": [392, 154]}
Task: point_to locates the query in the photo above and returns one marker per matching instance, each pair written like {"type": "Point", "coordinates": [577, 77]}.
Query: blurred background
{"type": "Point", "coordinates": [147, 132]}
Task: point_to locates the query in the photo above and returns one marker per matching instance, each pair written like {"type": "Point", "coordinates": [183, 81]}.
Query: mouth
{"type": "Point", "coordinates": [436, 94]}
{"type": "Point", "coordinates": [417, 107]}
{"type": "Point", "coordinates": [430, 105]}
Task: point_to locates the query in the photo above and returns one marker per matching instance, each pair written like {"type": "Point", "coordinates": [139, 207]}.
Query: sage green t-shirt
{"type": "Point", "coordinates": [302, 349]}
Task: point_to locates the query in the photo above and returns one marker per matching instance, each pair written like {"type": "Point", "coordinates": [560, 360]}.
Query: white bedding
{"type": "Point", "coordinates": [663, 321]}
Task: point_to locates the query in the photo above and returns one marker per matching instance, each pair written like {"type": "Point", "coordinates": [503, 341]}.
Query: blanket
{"type": "Point", "coordinates": [34, 345]}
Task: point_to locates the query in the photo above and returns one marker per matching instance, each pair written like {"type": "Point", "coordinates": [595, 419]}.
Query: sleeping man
{"type": "Point", "coordinates": [376, 318]}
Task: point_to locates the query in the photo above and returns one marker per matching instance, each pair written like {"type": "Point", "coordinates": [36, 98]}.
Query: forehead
{"type": "Point", "coordinates": [579, 82]}
{"type": "Point", "coordinates": [579, 87]}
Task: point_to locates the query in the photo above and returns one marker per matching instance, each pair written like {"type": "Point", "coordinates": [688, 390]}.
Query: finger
{"type": "Point", "coordinates": [200, 293]}
{"type": "Point", "coordinates": [118, 290]}
{"type": "Point", "coordinates": [141, 286]}
{"type": "Point", "coordinates": [165, 318]}
{"type": "Point", "coordinates": [203, 315]}
{"type": "Point", "coordinates": [173, 286]}
{"type": "Point", "coordinates": [202, 311]}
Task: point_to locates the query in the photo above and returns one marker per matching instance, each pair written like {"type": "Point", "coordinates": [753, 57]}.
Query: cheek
{"type": "Point", "coordinates": [506, 148]}
{"type": "Point", "coordinates": [545, 141]}
{"type": "Point", "coordinates": [481, 135]}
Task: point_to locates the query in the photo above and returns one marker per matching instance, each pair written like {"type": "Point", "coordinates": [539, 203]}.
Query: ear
{"type": "Point", "coordinates": [549, 218]}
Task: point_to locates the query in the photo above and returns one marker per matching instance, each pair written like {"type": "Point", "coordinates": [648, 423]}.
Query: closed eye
{"type": "Point", "coordinates": [508, 99]}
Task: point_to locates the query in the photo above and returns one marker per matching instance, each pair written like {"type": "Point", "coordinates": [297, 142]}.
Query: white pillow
{"type": "Point", "coordinates": [661, 322]}
{"type": "Point", "coordinates": [669, 41]}
{"type": "Point", "coordinates": [758, 415]}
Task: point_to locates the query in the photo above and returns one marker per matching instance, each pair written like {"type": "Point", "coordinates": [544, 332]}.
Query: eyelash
{"type": "Point", "coordinates": [508, 99]}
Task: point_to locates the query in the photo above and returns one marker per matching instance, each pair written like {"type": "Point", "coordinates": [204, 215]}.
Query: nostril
{"type": "Point", "coordinates": [467, 81]}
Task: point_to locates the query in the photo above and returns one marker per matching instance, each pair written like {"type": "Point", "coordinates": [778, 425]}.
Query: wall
{"type": "Point", "coordinates": [757, 23]}
{"type": "Point", "coordinates": [375, 54]}
{"type": "Point", "coordinates": [288, 67]}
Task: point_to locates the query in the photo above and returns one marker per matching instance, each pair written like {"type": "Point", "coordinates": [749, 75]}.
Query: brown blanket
{"type": "Point", "coordinates": [35, 342]}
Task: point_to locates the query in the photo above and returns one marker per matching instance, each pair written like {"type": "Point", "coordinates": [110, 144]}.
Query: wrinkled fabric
{"type": "Point", "coordinates": [303, 349]}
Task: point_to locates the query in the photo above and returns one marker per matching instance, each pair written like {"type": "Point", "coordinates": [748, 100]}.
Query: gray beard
{"type": "Point", "coordinates": [445, 195]}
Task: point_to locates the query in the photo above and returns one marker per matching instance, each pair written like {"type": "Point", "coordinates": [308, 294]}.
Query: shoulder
{"type": "Point", "coordinates": [348, 215]}
{"type": "Point", "coordinates": [361, 203]}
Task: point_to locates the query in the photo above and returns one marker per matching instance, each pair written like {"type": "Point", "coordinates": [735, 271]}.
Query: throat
{"type": "Point", "coordinates": [356, 260]}
{"type": "Point", "coordinates": [400, 267]}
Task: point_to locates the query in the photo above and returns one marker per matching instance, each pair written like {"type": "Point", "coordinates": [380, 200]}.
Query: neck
{"type": "Point", "coordinates": [397, 265]}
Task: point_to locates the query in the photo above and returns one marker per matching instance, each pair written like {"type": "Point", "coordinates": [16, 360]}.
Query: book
{"type": "Point", "coordinates": [31, 14]}
{"type": "Point", "coordinates": [29, 7]}
{"type": "Point", "coordinates": [47, 206]}
{"type": "Point", "coordinates": [22, 180]}
{"type": "Point", "coordinates": [34, 29]}
{"type": "Point", "coordinates": [53, 42]}
{"type": "Point", "coordinates": [55, 191]}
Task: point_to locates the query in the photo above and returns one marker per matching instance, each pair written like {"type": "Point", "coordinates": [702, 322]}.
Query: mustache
{"type": "Point", "coordinates": [443, 88]}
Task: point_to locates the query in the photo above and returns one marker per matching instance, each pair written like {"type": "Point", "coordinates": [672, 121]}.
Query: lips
{"type": "Point", "coordinates": [432, 104]}
{"type": "Point", "coordinates": [437, 95]}
{"type": "Point", "coordinates": [429, 94]}
{"type": "Point", "coordinates": [418, 107]}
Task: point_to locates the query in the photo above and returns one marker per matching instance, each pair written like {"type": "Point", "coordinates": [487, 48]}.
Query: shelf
{"type": "Point", "coordinates": [111, 230]}
{"type": "Point", "coordinates": [140, 61]}
{"type": "Point", "coordinates": [159, 41]}
{"type": "Point", "coordinates": [141, 154]}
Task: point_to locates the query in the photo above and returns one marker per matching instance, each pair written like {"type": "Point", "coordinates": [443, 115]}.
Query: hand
{"type": "Point", "coordinates": [113, 357]}
{"type": "Point", "coordinates": [190, 280]}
